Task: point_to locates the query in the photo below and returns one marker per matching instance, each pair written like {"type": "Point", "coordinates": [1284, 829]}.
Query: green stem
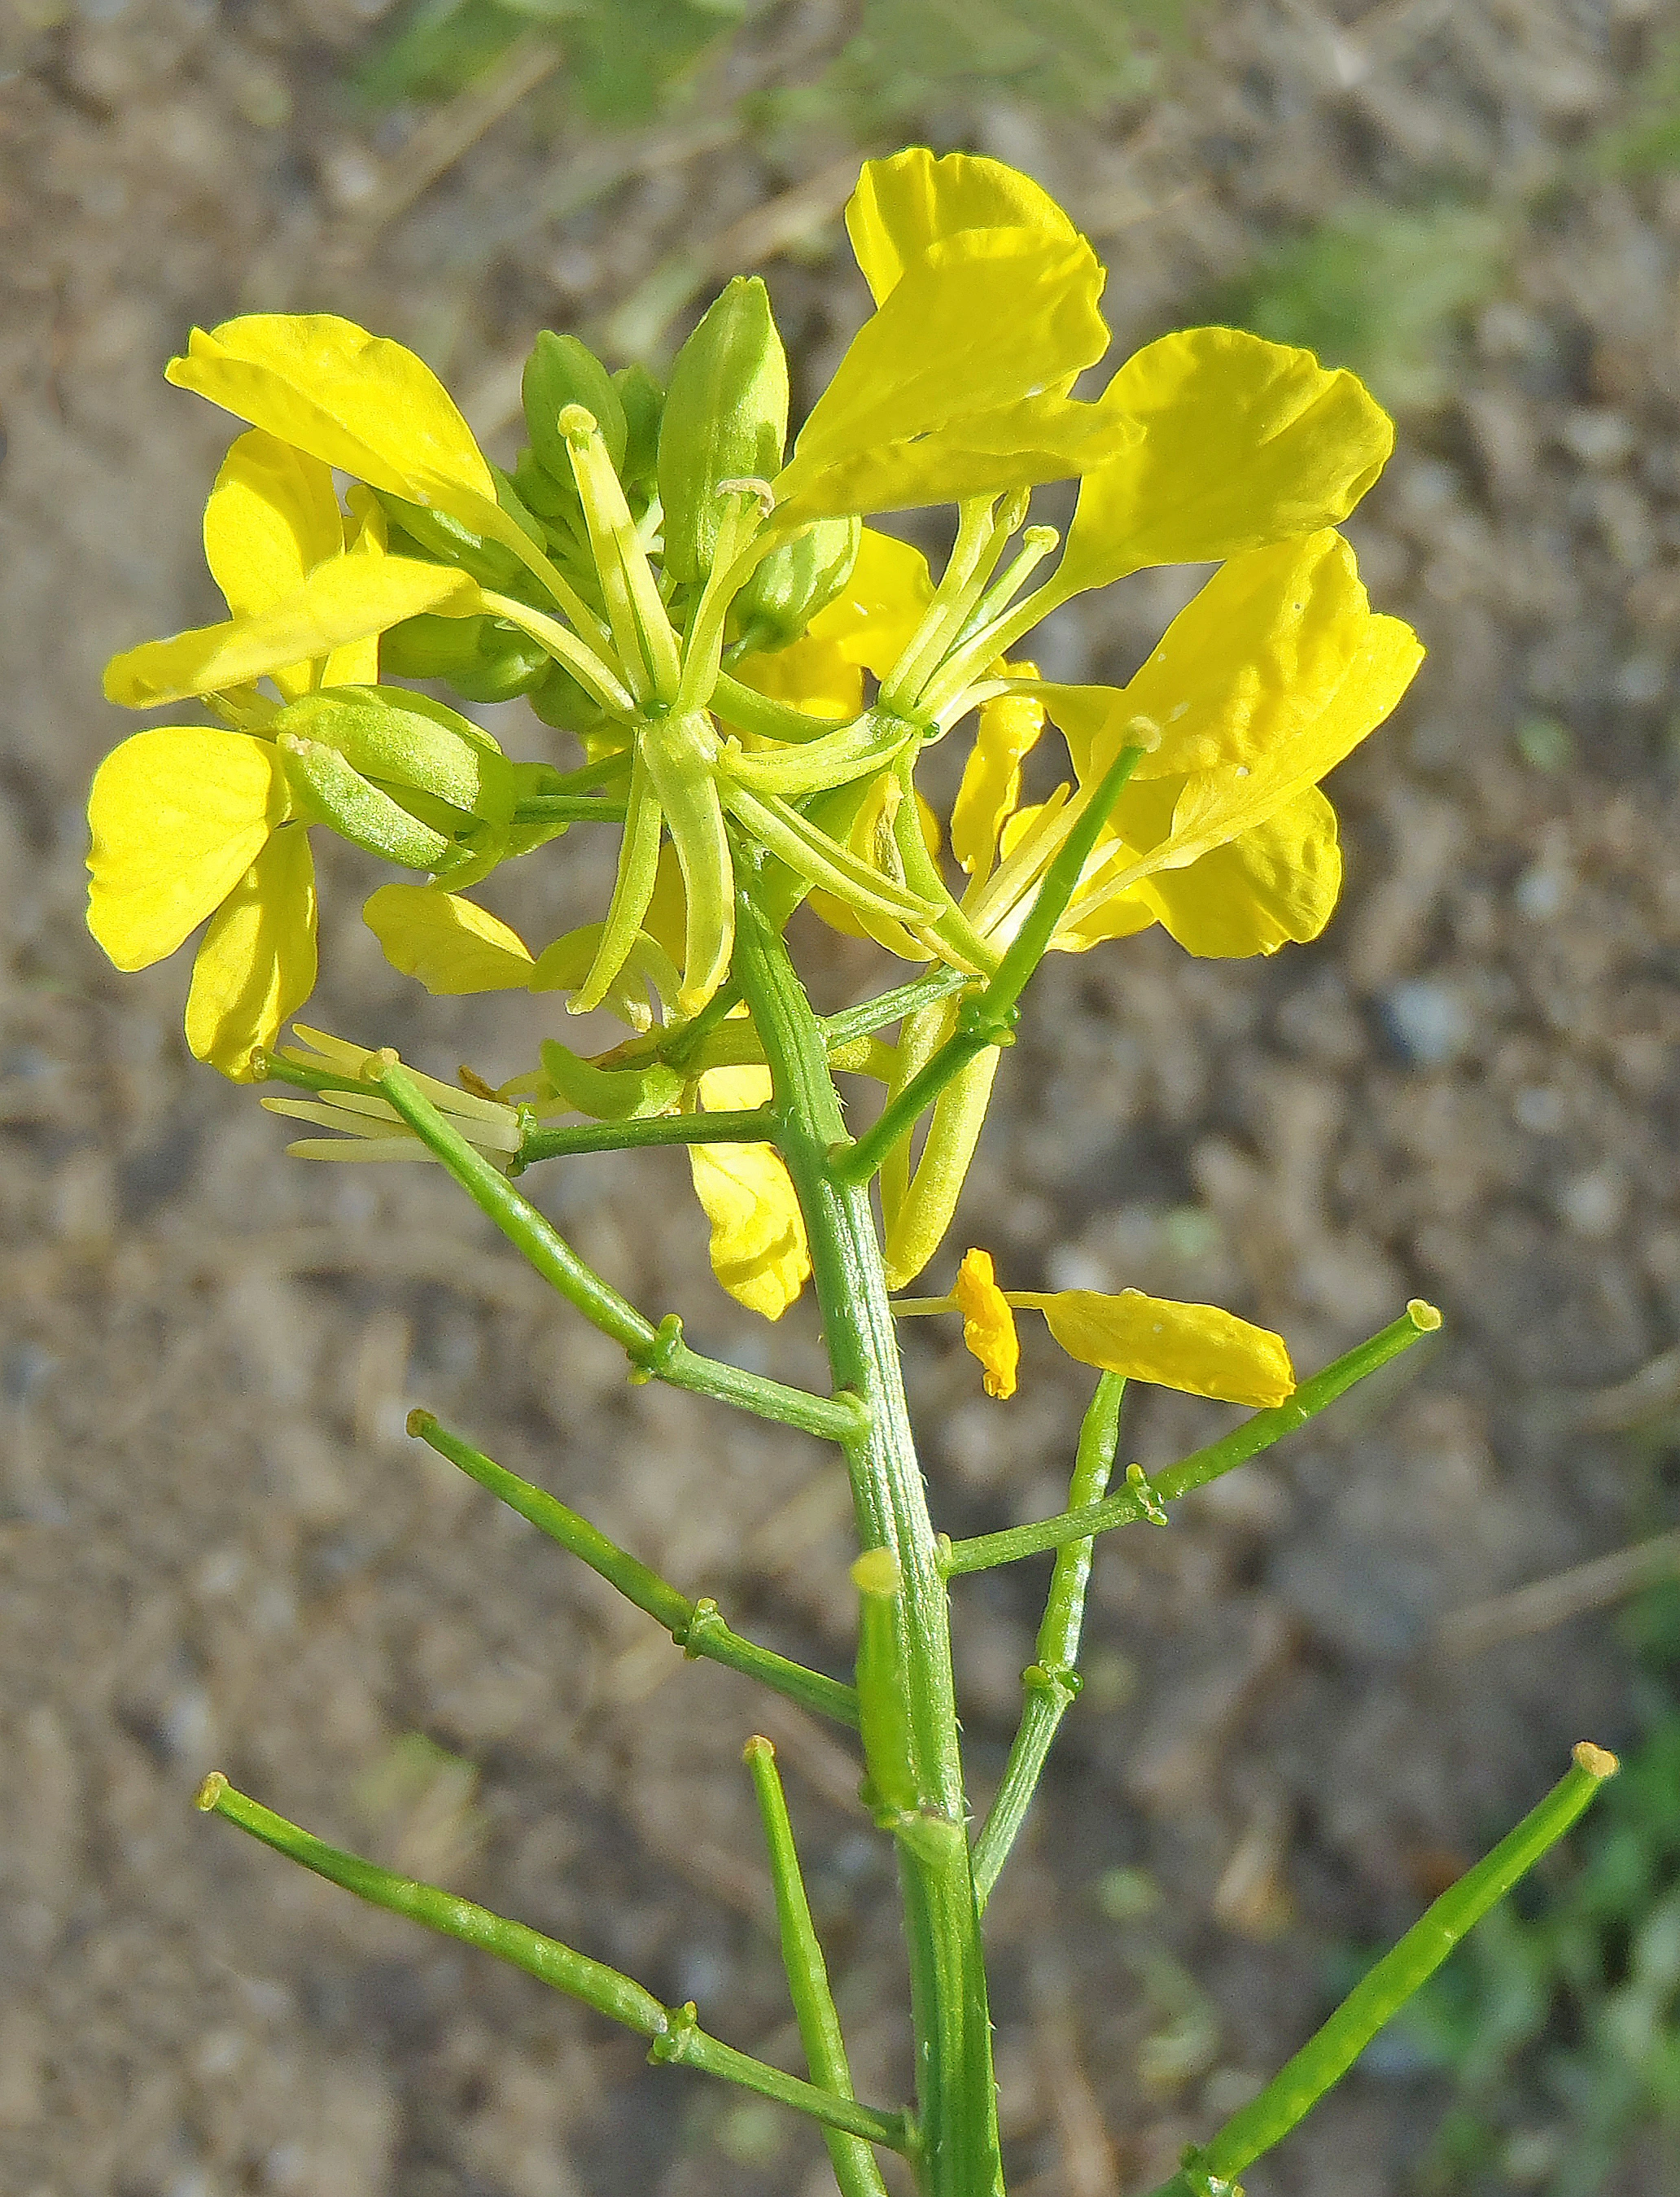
{"type": "Point", "coordinates": [1051, 1680]}
{"type": "Point", "coordinates": [1332, 2051]}
{"type": "Point", "coordinates": [987, 1016]}
{"type": "Point", "coordinates": [655, 1353]}
{"type": "Point", "coordinates": [1202, 1465]}
{"type": "Point", "coordinates": [754, 1126]}
{"type": "Point", "coordinates": [892, 1006]}
{"type": "Point", "coordinates": [911, 1708]}
{"type": "Point", "coordinates": [853, 2162]}
{"type": "Point", "coordinates": [696, 1627]}
{"type": "Point", "coordinates": [674, 2034]}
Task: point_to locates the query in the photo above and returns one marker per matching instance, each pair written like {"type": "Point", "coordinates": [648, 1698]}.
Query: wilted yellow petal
{"type": "Point", "coordinates": [1009, 729]}
{"type": "Point", "coordinates": [989, 1325]}
{"type": "Point", "coordinates": [903, 205]}
{"type": "Point", "coordinates": [759, 1249]}
{"type": "Point", "coordinates": [1278, 883]}
{"type": "Point", "coordinates": [1194, 1348]}
{"type": "Point", "coordinates": [177, 816]}
{"type": "Point", "coordinates": [257, 965]}
{"type": "Point", "coordinates": [451, 944]}
{"type": "Point", "coordinates": [346, 600]}
{"type": "Point", "coordinates": [1244, 442]}
{"type": "Point", "coordinates": [872, 620]}
{"type": "Point", "coordinates": [983, 322]}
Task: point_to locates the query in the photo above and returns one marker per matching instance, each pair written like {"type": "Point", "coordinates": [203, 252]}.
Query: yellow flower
{"type": "Point", "coordinates": [189, 822]}
{"type": "Point", "coordinates": [989, 1325]}
{"type": "Point", "coordinates": [1268, 679]}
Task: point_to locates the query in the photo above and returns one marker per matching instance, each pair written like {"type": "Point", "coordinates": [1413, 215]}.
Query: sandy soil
{"type": "Point", "coordinates": [221, 1548]}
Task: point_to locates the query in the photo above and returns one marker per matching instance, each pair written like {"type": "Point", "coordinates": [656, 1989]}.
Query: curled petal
{"type": "Point", "coordinates": [759, 1249]}
{"type": "Point", "coordinates": [1009, 726]}
{"type": "Point", "coordinates": [257, 965]}
{"type": "Point", "coordinates": [989, 1325]}
{"type": "Point", "coordinates": [273, 516]}
{"type": "Point", "coordinates": [177, 816]}
{"type": "Point", "coordinates": [1276, 883]}
{"type": "Point", "coordinates": [872, 620]}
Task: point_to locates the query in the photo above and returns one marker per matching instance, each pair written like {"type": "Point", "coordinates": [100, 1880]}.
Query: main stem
{"type": "Point", "coordinates": [957, 2151]}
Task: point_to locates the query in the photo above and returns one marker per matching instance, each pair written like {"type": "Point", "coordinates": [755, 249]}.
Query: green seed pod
{"type": "Point", "coordinates": [483, 659]}
{"type": "Point", "coordinates": [644, 402]}
{"type": "Point", "coordinates": [329, 791]}
{"type": "Point", "coordinates": [408, 744]}
{"type": "Point", "coordinates": [562, 371]}
{"type": "Point", "coordinates": [725, 420]}
{"type": "Point", "coordinates": [606, 1094]}
{"type": "Point", "coordinates": [795, 582]}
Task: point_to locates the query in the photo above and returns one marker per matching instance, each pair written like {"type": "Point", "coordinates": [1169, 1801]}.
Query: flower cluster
{"type": "Point", "coordinates": [749, 674]}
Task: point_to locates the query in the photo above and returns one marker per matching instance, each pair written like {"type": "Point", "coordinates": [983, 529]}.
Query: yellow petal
{"type": "Point", "coordinates": [177, 816]}
{"type": "Point", "coordinates": [273, 516]}
{"type": "Point", "coordinates": [451, 944]}
{"type": "Point", "coordinates": [355, 401]}
{"type": "Point", "coordinates": [1008, 731]}
{"type": "Point", "coordinates": [871, 621]}
{"type": "Point", "coordinates": [1278, 883]}
{"type": "Point", "coordinates": [346, 600]}
{"type": "Point", "coordinates": [1218, 806]}
{"type": "Point", "coordinates": [981, 323]}
{"type": "Point", "coordinates": [903, 205]}
{"type": "Point", "coordinates": [989, 1325]}
{"type": "Point", "coordinates": [257, 965]}
{"type": "Point", "coordinates": [1244, 442]}
{"type": "Point", "coordinates": [1194, 1348]}
{"type": "Point", "coordinates": [357, 664]}
{"type": "Point", "coordinates": [812, 674]}
{"type": "Point", "coordinates": [759, 1251]}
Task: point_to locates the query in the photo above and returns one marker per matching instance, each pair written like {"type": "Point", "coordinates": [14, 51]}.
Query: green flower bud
{"type": "Point", "coordinates": [725, 420]}
{"type": "Point", "coordinates": [608, 1094]}
{"type": "Point", "coordinates": [562, 371]}
{"type": "Point", "coordinates": [408, 743]}
{"type": "Point", "coordinates": [483, 659]}
{"type": "Point", "coordinates": [329, 791]}
{"type": "Point", "coordinates": [559, 701]}
{"type": "Point", "coordinates": [795, 582]}
{"type": "Point", "coordinates": [644, 403]}
{"type": "Point", "coordinates": [434, 534]}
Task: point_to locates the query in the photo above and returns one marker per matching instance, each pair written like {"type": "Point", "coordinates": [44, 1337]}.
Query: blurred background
{"type": "Point", "coordinates": [1343, 1671]}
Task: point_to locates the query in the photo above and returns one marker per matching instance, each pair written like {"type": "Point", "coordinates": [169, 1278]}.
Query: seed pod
{"type": "Point", "coordinates": [482, 658]}
{"type": "Point", "coordinates": [795, 582]}
{"type": "Point", "coordinates": [725, 419]}
{"type": "Point", "coordinates": [644, 401]}
{"type": "Point", "coordinates": [329, 791]}
{"type": "Point", "coordinates": [562, 371]}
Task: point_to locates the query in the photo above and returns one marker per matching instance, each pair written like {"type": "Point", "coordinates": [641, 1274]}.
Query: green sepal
{"type": "Point", "coordinates": [643, 402]}
{"type": "Point", "coordinates": [608, 1094]}
{"type": "Point", "coordinates": [795, 582]}
{"type": "Point", "coordinates": [560, 371]}
{"type": "Point", "coordinates": [483, 659]}
{"type": "Point", "coordinates": [330, 792]}
{"type": "Point", "coordinates": [436, 535]}
{"type": "Point", "coordinates": [409, 743]}
{"type": "Point", "coordinates": [725, 419]}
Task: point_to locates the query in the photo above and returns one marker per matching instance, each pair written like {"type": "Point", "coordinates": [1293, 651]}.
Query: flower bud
{"type": "Point", "coordinates": [407, 742]}
{"type": "Point", "coordinates": [795, 582]}
{"type": "Point", "coordinates": [725, 419]}
{"type": "Point", "coordinates": [562, 371]}
{"type": "Point", "coordinates": [644, 402]}
{"type": "Point", "coordinates": [482, 658]}
{"type": "Point", "coordinates": [329, 791]}
{"type": "Point", "coordinates": [436, 535]}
